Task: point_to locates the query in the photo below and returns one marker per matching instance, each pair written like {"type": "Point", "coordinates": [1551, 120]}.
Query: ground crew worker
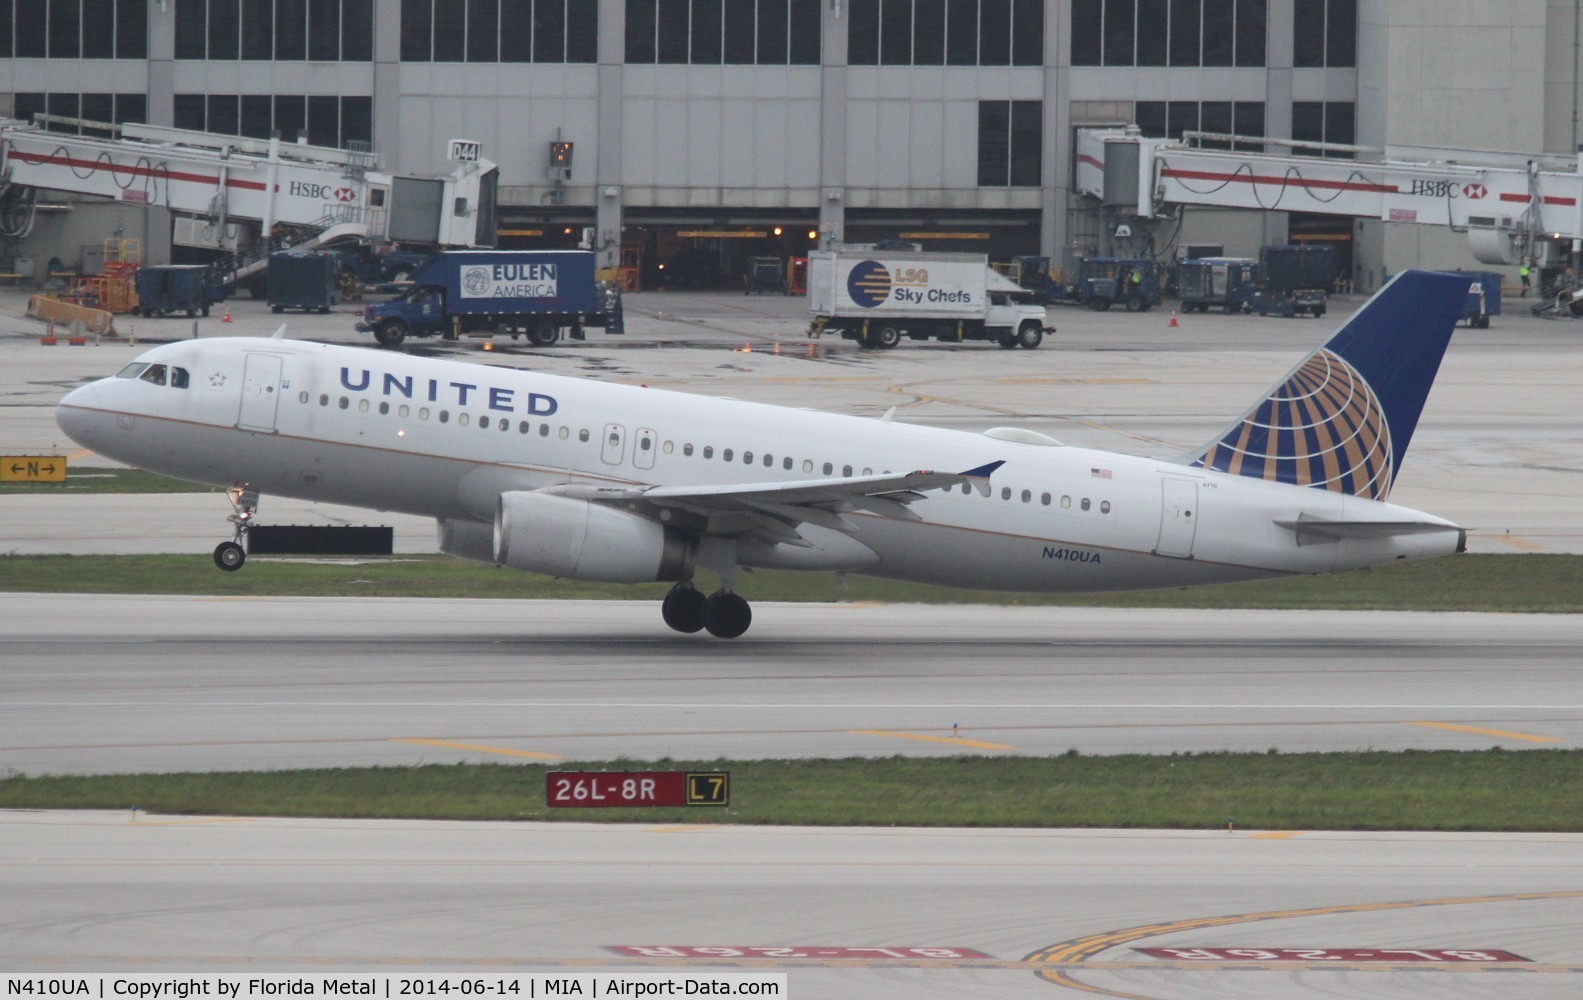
{"type": "Point", "coordinates": [1522, 272]}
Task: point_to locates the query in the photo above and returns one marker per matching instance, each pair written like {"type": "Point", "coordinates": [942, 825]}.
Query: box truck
{"type": "Point", "coordinates": [532, 293]}
{"type": "Point", "coordinates": [877, 297]}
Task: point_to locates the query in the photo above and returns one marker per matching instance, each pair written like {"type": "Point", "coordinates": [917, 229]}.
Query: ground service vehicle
{"type": "Point", "coordinates": [537, 293]}
{"type": "Point", "coordinates": [1225, 283]}
{"type": "Point", "coordinates": [1295, 279]}
{"type": "Point", "coordinates": [304, 279]}
{"type": "Point", "coordinates": [876, 297]}
{"type": "Point", "coordinates": [168, 288]}
{"type": "Point", "coordinates": [1484, 297]}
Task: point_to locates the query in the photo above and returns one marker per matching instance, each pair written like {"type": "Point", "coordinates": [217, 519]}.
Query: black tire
{"type": "Point", "coordinates": [323, 310]}
{"type": "Point", "coordinates": [1099, 305]}
{"type": "Point", "coordinates": [683, 608]}
{"type": "Point", "coordinates": [391, 332]}
{"type": "Point", "coordinates": [726, 615]}
{"type": "Point", "coordinates": [1029, 335]}
{"type": "Point", "coordinates": [1135, 303]}
{"type": "Point", "coordinates": [229, 556]}
{"type": "Point", "coordinates": [544, 334]}
{"type": "Point", "coordinates": [1006, 343]}
{"type": "Point", "coordinates": [191, 312]}
{"type": "Point", "coordinates": [205, 311]}
{"type": "Point", "coordinates": [277, 309]}
{"type": "Point", "coordinates": [887, 336]}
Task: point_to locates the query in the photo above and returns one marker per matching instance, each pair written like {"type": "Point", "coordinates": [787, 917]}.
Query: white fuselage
{"type": "Point", "coordinates": [445, 439]}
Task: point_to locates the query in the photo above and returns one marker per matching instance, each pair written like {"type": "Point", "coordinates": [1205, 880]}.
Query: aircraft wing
{"type": "Point", "coordinates": [773, 510]}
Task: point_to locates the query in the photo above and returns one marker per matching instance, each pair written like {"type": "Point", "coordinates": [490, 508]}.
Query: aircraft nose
{"type": "Point", "coordinates": [77, 413]}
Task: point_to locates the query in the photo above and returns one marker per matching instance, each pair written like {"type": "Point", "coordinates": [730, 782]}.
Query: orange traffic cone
{"type": "Point", "coordinates": [227, 317]}
{"type": "Point", "coordinates": [1173, 321]}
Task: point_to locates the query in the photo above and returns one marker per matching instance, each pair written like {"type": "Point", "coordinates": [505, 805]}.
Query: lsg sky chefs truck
{"type": "Point", "coordinates": [537, 293]}
{"type": "Point", "coordinates": [876, 297]}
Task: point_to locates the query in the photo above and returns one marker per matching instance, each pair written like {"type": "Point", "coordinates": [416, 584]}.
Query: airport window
{"type": "Point", "coordinates": [329, 121]}
{"type": "Point", "coordinates": [505, 31]}
{"type": "Point", "coordinates": [275, 30]}
{"type": "Point", "coordinates": [711, 32]}
{"type": "Point", "coordinates": [1169, 32]}
{"type": "Point", "coordinates": [116, 108]}
{"type": "Point", "coordinates": [1010, 143]}
{"type": "Point", "coordinates": [1324, 121]}
{"type": "Point", "coordinates": [946, 32]}
{"type": "Point", "coordinates": [74, 29]}
{"type": "Point", "coordinates": [1325, 33]}
{"type": "Point", "coordinates": [1169, 119]}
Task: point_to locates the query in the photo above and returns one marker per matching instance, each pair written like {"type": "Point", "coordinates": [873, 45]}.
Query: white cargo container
{"type": "Point", "coordinates": [876, 297]}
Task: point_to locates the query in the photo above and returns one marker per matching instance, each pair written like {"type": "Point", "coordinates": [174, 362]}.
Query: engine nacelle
{"type": "Point", "coordinates": [543, 533]}
{"type": "Point", "coordinates": [473, 540]}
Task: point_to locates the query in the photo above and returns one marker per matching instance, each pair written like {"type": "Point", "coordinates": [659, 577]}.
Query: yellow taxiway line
{"type": "Point", "coordinates": [1480, 731]}
{"type": "Point", "coordinates": [924, 738]}
{"type": "Point", "coordinates": [476, 748]}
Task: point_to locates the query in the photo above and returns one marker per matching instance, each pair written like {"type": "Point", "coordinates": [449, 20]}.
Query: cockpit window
{"type": "Point", "coordinates": [155, 374]}
{"type": "Point", "coordinates": [178, 377]}
{"type": "Point", "coordinates": [132, 370]}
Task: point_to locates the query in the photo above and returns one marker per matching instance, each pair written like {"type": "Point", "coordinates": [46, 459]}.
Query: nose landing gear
{"type": "Point", "coordinates": [230, 556]}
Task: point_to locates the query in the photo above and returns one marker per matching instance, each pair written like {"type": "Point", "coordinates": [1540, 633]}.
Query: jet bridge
{"type": "Point", "coordinates": [240, 194]}
{"type": "Point", "coordinates": [1512, 206]}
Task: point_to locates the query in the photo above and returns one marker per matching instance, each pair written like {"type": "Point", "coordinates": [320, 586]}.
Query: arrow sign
{"type": "Point", "coordinates": [32, 469]}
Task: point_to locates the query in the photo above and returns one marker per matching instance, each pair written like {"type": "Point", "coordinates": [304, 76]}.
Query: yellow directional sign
{"type": "Point", "coordinates": [33, 469]}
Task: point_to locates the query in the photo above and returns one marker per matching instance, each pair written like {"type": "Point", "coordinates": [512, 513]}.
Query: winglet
{"type": "Point", "coordinates": [279, 334]}
{"type": "Point", "coordinates": [979, 477]}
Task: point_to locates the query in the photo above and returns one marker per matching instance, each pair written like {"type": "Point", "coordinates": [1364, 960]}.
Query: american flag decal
{"type": "Point", "coordinates": [1099, 473]}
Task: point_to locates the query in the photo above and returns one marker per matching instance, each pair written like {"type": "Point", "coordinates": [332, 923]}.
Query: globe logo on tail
{"type": "Point", "coordinates": [868, 283]}
{"type": "Point", "coordinates": [1323, 427]}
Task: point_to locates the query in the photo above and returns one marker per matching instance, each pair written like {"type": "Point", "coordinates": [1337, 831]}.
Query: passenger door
{"type": "Point", "coordinates": [260, 392]}
{"type": "Point", "coordinates": [1178, 517]}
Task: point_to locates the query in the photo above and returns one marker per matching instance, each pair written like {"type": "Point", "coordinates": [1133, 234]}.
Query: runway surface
{"type": "Point", "coordinates": [879, 914]}
{"type": "Point", "coordinates": [99, 683]}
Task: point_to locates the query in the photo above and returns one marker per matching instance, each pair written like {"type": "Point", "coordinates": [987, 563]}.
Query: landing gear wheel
{"type": "Point", "coordinates": [887, 336]}
{"type": "Point", "coordinates": [1029, 336]}
{"type": "Point", "coordinates": [229, 556]}
{"type": "Point", "coordinates": [726, 615]}
{"type": "Point", "coordinates": [683, 608]}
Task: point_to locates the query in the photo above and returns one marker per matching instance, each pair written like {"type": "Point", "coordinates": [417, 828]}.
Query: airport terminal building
{"type": "Point", "coordinates": [690, 134]}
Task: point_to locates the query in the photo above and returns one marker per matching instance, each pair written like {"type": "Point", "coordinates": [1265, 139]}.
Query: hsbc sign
{"type": "Point", "coordinates": [1446, 189]}
{"type": "Point", "coordinates": [320, 192]}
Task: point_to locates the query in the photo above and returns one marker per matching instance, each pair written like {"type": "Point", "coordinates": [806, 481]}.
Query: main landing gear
{"type": "Point", "coordinates": [724, 614]}
{"type": "Point", "coordinates": [230, 556]}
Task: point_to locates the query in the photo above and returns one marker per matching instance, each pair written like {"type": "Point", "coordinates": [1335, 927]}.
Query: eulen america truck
{"type": "Point", "coordinates": [877, 297]}
{"type": "Point", "coordinates": [533, 293]}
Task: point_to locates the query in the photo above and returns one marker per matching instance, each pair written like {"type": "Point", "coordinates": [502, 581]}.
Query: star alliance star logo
{"type": "Point", "coordinates": [217, 380]}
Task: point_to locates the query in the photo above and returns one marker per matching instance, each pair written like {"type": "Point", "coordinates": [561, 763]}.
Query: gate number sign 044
{"type": "Point", "coordinates": [606, 789]}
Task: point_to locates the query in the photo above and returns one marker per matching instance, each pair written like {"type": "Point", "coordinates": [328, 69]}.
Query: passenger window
{"type": "Point", "coordinates": [522, 428]}
{"type": "Point", "coordinates": [362, 406]}
{"type": "Point", "coordinates": [423, 413]}
{"type": "Point", "coordinates": [544, 430]}
{"type": "Point", "coordinates": [445, 416]}
{"type": "Point", "coordinates": [1044, 498]}
{"type": "Point", "coordinates": [302, 397]}
{"type": "Point", "coordinates": [868, 472]}
{"type": "Point", "coordinates": [615, 439]}
{"type": "Point", "coordinates": [1066, 503]}
{"type": "Point", "coordinates": [462, 419]}
{"type": "Point", "coordinates": [155, 375]}
{"type": "Point", "coordinates": [807, 465]}
{"type": "Point", "coordinates": [709, 451]}
{"type": "Point", "coordinates": [644, 444]}
{"type": "Point", "coordinates": [846, 470]}
{"type": "Point", "coordinates": [505, 425]}
{"type": "Point", "coordinates": [582, 435]}
{"type": "Point", "coordinates": [345, 402]}
{"type": "Point", "coordinates": [726, 455]}
{"type": "Point", "coordinates": [403, 411]}
{"type": "Point", "coordinates": [1104, 506]}
{"type": "Point", "coordinates": [747, 458]}
{"type": "Point", "coordinates": [384, 409]}
{"type": "Point", "coordinates": [1026, 496]}
{"type": "Point", "coordinates": [1005, 492]}
{"type": "Point", "coordinates": [687, 450]}
{"type": "Point", "coordinates": [324, 400]}
{"type": "Point", "coordinates": [178, 378]}
{"type": "Point", "coordinates": [132, 370]}
{"type": "Point", "coordinates": [483, 423]}
{"type": "Point", "coordinates": [829, 469]}
{"type": "Point", "coordinates": [1085, 504]}
{"type": "Point", "coordinates": [668, 447]}
{"type": "Point", "coordinates": [786, 463]}
{"type": "Point", "coordinates": [565, 433]}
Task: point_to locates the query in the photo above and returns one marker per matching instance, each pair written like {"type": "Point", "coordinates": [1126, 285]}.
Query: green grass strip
{"type": "Point", "coordinates": [1516, 583]}
{"type": "Point", "coordinates": [1531, 790]}
{"type": "Point", "coordinates": [95, 479]}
